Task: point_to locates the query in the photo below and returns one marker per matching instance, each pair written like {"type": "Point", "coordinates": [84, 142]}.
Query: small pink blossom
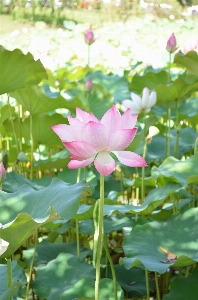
{"type": "Point", "coordinates": [89, 85]}
{"type": "Point", "coordinates": [2, 172]}
{"type": "Point", "coordinates": [92, 140]}
{"type": "Point", "coordinates": [171, 44]}
{"type": "Point", "coordinates": [89, 37]}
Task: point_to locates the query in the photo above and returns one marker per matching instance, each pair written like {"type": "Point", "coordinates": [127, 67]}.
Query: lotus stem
{"type": "Point", "coordinates": [157, 286]}
{"type": "Point", "coordinates": [99, 230]}
{"type": "Point", "coordinates": [11, 119]}
{"type": "Point", "coordinates": [112, 268]}
{"type": "Point", "coordinates": [32, 148]}
{"type": "Point", "coordinates": [32, 264]}
{"type": "Point", "coordinates": [9, 272]}
{"type": "Point", "coordinates": [147, 285]}
{"type": "Point", "coordinates": [176, 148]}
{"type": "Point", "coordinates": [144, 156]}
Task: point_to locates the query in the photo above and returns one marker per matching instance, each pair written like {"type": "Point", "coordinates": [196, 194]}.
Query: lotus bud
{"type": "Point", "coordinates": [89, 85]}
{"type": "Point", "coordinates": [2, 172]}
{"type": "Point", "coordinates": [171, 44]}
{"type": "Point", "coordinates": [89, 37]}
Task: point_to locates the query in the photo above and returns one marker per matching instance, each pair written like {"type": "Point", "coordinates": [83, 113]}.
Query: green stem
{"type": "Point", "coordinates": [77, 227]}
{"type": "Point", "coordinates": [9, 272]}
{"type": "Point", "coordinates": [147, 284]}
{"type": "Point", "coordinates": [77, 239]}
{"type": "Point", "coordinates": [157, 286]}
{"type": "Point", "coordinates": [176, 148]}
{"type": "Point", "coordinates": [168, 114]}
{"type": "Point", "coordinates": [195, 146]}
{"type": "Point", "coordinates": [144, 155]}
{"type": "Point", "coordinates": [112, 268]}
{"type": "Point", "coordinates": [11, 119]}
{"type": "Point", "coordinates": [32, 149]}
{"type": "Point", "coordinates": [32, 264]}
{"type": "Point", "coordinates": [187, 271]}
{"type": "Point", "coordinates": [100, 231]}
{"type": "Point", "coordinates": [168, 129]}
{"type": "Point", "coordinates": [88, 55]}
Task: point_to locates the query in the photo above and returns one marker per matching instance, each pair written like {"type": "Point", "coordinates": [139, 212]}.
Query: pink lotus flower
{"type": "Point", "coordinates": [171, 44]}
{"type": "Point", "coordinates": [90, 139]}
{"type": "Point", "coordinates": [89, 37]}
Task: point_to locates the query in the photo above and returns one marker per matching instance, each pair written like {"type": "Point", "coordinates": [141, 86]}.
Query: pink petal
{"type": "Point", "coordinates": [127, 121]}
{"type": "Point", "coordinates": [111, 118]}
{"type": "Point", "coordinates": [75, 164]}
{"type": "Point", "coordinates": [121, 139]}
{"type": "Point", "coordinates": [96, 135]}
{"type": "Point", "coordinates": [76, 127]}
{"type": "Point", "coordinates": [104, 163]}
{"type": "Point", "coordinates": [80, 149]}
{"type": "Point", "coordinates": [85, 117]}
{"type": "Point", "coordinates": [130, 159]}
{"type": "Point", "coordinates": [64, 132]}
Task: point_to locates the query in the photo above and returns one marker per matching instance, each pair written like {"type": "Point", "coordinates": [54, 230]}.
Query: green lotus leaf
{"type": "Point", "coordinates": [19, 70]}
{"type": "Point", "coordinates": [177, 235]}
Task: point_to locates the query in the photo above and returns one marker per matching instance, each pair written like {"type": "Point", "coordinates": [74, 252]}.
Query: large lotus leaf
{"type": "Point", "coordinates": [19, 70]}
{"type": "Point", "coordinates": [61, 274]}
{"type": "Point", "coordinates": [58, 161]}
{"type": "Point", "coordinates": [174, 168]}
{"type": "Point", "coordinates": [189, 108]}
{"type": "Point", "coordinates": [42, 133]}
{"type": "Point", "coordinates": [18, 274]}
{"type": "Point", "coordinates": [132, 280]}
{"type": "Point", "coordinates": [27, 209]}
{"type": "Point", "coordinates": [85, 287]}
{"type": "Point", "coordinates": [155, 198]}
{"type": "Point", "coordinates": [188, 61]}
{"type": "Point", "coordinates": [115, 84]}
{"type": "Point", "coordinates": [11, 291]}
{"type": "Point", "coordinates": [5, 113]}
{"type": "Point", "coordinates": [178, 235]}
{"type": "Point", "coordinates": [150, 80]}
{"type": "Point", "coordinates": [67, 277]}
{"type": "Point", "coordinates": [111, 224]}
{"type": "Point", "coordinates": [34, 99]}
{"type": "Point", "coordinates": [46, 251]}
{"type": "Point", "coordinates": [98, 101]}
{"type": "Point", "coordinates": [184, 288]}
{"type": "Point", "coordinates": [15, 181]}
{"type": "Point", "coordinates": [175, 90]}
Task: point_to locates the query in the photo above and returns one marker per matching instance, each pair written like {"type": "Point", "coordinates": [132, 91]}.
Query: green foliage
{"type": "Point", "coordinates": [19, 70]}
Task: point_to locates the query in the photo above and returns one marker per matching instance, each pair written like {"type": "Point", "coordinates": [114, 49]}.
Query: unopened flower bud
{"type": "Point", "coordinates": [89, 85]}
{"type": "Point", "coordinates": [89, 37]}
{"type": "Point", "coordinates": [2, 172]}
{"type": "Point", "coordinates": [171, 44]}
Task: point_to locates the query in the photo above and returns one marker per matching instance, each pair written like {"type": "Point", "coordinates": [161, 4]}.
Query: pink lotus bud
{"type": "Point", "coordinates": [89, 85]}
{"type": "Point", "coordinates": [171, 44]}
{"type": "Point", "coordinates": [2, 172]}
{"type": "Point", "coordinates": [89, 37]}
